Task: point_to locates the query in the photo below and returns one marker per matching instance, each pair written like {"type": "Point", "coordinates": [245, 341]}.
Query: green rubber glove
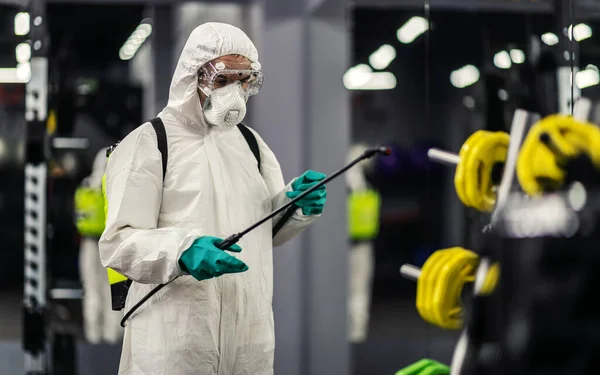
{"type": "Point", "coordinates": [314, 202]}
{"type": "Point", "coordinates": [204, 260]}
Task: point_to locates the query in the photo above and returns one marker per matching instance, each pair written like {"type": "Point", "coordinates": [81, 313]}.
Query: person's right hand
{"type": "Point", "coordinates": [204, 260]}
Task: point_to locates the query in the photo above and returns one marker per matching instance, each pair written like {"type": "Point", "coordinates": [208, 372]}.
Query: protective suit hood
{"type": "Point", "coordinates": [206, 42]}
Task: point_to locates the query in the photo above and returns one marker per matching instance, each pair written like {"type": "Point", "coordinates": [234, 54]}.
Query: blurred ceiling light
{"type": "Point", "coordinates": [580, 32]}
{"type": "Point", "coordinates": [357, 76]}
{"type": "Point", "coordinates": [361, 77]}
{"type": "Point", "coordinates": [130, 48]}
{"type": "Point", "coordinates": [23, 52]}
{"type": "Point", "coordinates": [465, 76]}
{"type": "Point", "coordinates": [24, 72]}
{"type": "Point", "coordinates": [8, 75]}
{"type": "Point", "coordinates": [550, 39]}
{"type": "Point", "coordinates": [383, 57]}
{"type": "Point", "coordinates": [517, 56]}
{"type": "Point", "coordinates": [135, 40]}
{"type": "Point", "coordinates": [412, 29]}
{"type": "Point", "coordinates": [379, 81]}
{"type": "Point", "coordinates": [22, 23]}
{"type": "Point", "coordinates": [587, 78]}
{"type": "Point", "coordinates": [14, 75]}
{"type": "Point", "coordinates": [502, 60]}
{"type": "Point", "coordinates": [145, 28]}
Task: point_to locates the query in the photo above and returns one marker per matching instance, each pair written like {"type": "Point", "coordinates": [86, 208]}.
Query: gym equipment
{"type": "Point", "coordinates": [48, 344]}
{"type": "Point", "coordinates": [471, 341]}
{"type": "Point", "coordinates": [425, 367]}
{"type": "Point", "coordinates": [289, 208]}
{"type": "Point", "coordinates": [541, 318]}
{"type": "Point", "coordinates": [440, 284]}
{"type": "Point", "coordinates": [478, 167]}
{"type": "Point", "coordinates": [89, 211]}
{"type": "Point", "coordinates": [35, 304]}
{"type": "Point", "coordinates": [447, 271]}
{"type": "Point", "coordinates": [548, 148]}
{"type": "Point", "coordinates": [363, 215]}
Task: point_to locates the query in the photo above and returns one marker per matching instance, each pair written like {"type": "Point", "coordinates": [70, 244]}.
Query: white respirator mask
{"type": "Point", "coordinates": [226, 106]}
{"type": "Point", "coordinates": [227, 87]}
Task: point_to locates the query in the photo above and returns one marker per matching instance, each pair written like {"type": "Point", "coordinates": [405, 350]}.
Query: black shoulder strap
{"type": "Point", "coordinates": [251, 140]}
{"type": "Point", "coordinates": [163, 147]}
{"type": "Point", "coordinates": [161, 138]}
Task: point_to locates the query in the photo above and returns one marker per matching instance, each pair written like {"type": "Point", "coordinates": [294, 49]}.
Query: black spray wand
{"type": "Point", "coordinates": [291, 205]}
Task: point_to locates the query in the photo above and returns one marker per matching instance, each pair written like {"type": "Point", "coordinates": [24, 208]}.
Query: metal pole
{"type": "Point", "coordinates": [583, 109]}
{"type": "Point", "coordinates": [36, 107]}
{"type": "Point", "coordinates": [443, 157]}
{"type": "Point", "coordinates": [410, 272]}
{"type": "Point", "coordinates": [567, 56]}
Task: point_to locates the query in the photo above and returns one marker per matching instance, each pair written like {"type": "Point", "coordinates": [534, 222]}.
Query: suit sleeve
{"type": "Point", "coordinates": [131, 243]}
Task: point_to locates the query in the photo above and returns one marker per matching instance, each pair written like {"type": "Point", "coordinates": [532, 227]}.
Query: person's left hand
{"type": "Point", "coordinates": [313, 203]}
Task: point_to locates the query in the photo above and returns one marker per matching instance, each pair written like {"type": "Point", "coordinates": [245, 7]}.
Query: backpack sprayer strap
{"type": "Point", "coordinates": [120, 289]}
{"type": "Point", "coordinates": [161, 138]}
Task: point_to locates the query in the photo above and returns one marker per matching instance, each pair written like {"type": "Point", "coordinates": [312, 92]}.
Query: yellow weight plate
{"type": "Point", "coordinates": [586, 137]}
{"type": "Point", "coordinates": [445, 301]}
{"type": "Point", "coordinates": [496, 153]}
{"type": "Point", "coordinates": [467, 173]}
{"type": "Point", "coordinates": [557, 136]}
{"type": "Point", "coordinates": [470, 165]}
{"type": "Point", "coordinates": [491, 280]}
{"type": "Point", "coordinates": [426, 283]}
{"type": "Point", "coordinates": [536, 160]}
{"type": "Point", "coordinates": [458, 270]}
{"type": "Point", "coordinates": [594, 147]}
{"type": "Point", "coordinates": [439, 281]}
{"type": "Point", "coordinates": [480, 161]}
{"type": "Point", "coordinates": [422, 287]}
{"type": "Point", "coordinates": [527, 162]}
{"type": "Point", "coordinates": [432, 272]}
{"type": "Point", "coordinates": [459, 175]}
{"type": "Point", "coordinates": [569, 136]}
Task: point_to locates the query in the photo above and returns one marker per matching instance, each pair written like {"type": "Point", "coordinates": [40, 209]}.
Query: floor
{"type": "Point", "coordinates": [398, 337]}
{"type": "Point", "coordinates": [91, 359]}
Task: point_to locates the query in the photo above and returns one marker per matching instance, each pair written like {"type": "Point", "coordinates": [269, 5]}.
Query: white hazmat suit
{"type": "Point", "coordinates": [212, 187]}
{"type": "Point", "coordinates": [100, 322]}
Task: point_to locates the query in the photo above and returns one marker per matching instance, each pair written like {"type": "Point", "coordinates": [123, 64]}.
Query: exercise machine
{"type": "Point", "coordinates": [48, 347]}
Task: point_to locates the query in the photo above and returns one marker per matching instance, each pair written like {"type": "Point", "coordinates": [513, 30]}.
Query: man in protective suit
{"type": "Point", "coordinates": [217, 317]}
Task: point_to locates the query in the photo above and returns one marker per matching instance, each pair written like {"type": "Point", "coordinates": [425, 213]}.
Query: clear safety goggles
{"type": "Point", "coordinates": [216, 75]}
